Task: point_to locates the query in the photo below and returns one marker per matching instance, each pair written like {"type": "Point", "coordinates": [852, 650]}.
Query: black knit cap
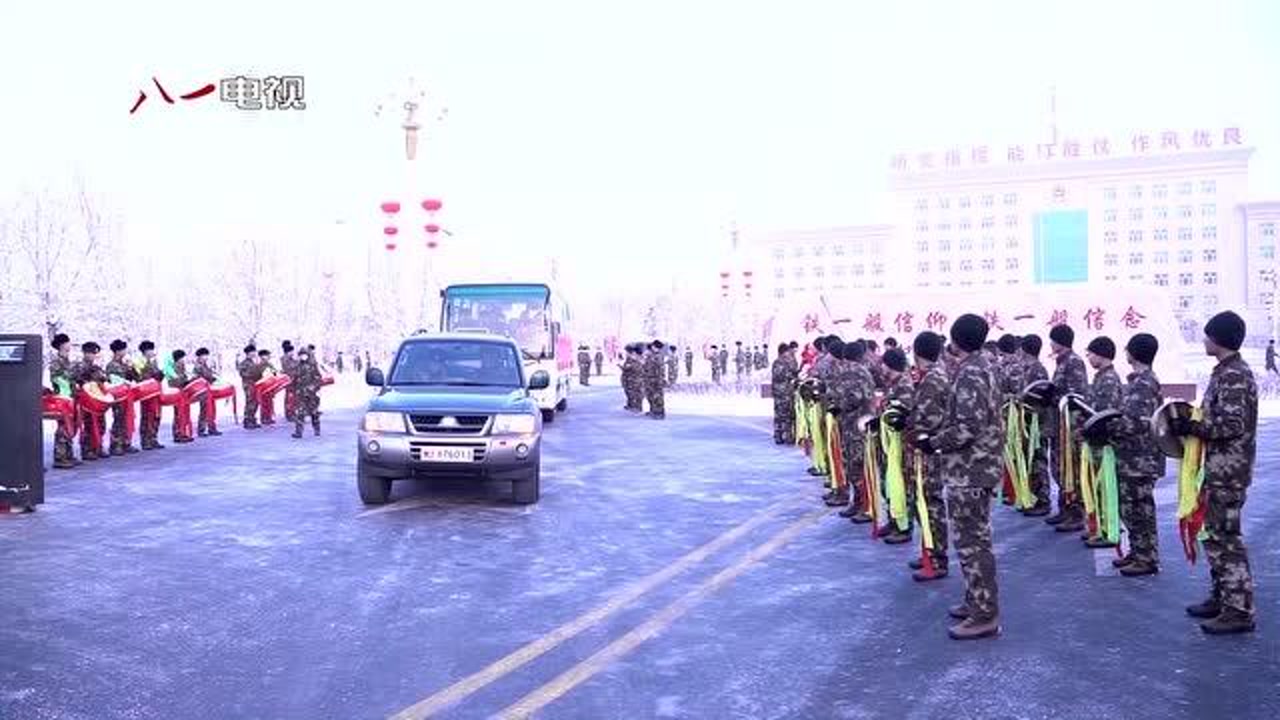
{"type": "Point", "coordinates": [1143, 347]}
{"type": "Point", "coordinates": [794, 345]}
{"type": "Point", "coordinates": [783, 347]}
{"type": "Point", "coordinates": [286, 346]}
{"type": "Point", "coordinates": [895, 360]}
{"type": "Point", "coordinates": [201, 352]}
{"type": "Point", "coordinates": [90, 347]}
{"type": "Point", "coordinates": [928, 345]}
{"type": "Point", "coordinates": [1032, 345]}
{"type": "Point", "coordinates": [250, 349]}
{"type": "Point", "coordinates": [264, 353]}
{"type": "Point", "coordinates": [855, 350]}
{"type": "Point", "coordinates": [179, 354]}
{"type": "Point", "coordinates": [59, 340]}
{"type": "Point", "coordinates": [1102, 346]}
{"type": "Point", "coordinates": [656, 345]}
{"type": "Point", "coordinates": [117, 345]}
{"type": "Point", "coordinates": [891, 342]}
{"type": "Point", "coordinates": [969, 331]}
{"type": "Point", "coordinates": [146, 346]}
{"type": "Point", "coordinates": [1226, 330]}
{"type": "Point", "coordinates": [1063, 335]}
{"type": "Point", "coordinates": [1008, 344]}
{"type": "Point", "coordinates": [835, 347]}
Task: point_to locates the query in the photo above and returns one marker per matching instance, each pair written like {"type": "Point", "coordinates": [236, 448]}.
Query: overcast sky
{"type": "Point", "coordinates": [621, 137]}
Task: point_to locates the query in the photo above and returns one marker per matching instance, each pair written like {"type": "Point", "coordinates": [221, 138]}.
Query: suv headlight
{"type": "Point", "coordinates": [387, 422]}
{"type": "Point", "coordinates": [522, 424]}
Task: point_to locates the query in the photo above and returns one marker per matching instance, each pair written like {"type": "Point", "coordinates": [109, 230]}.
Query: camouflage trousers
{"type": "Point", "coordinates": [149, 427]}
{"type": "Point", "coordinates": [119, 430]}
{"type": "Point", "coordinates": [92, 429]}
{"type": "Point", "coordinates": [207, 420]}
{"type": "Point", "coordinates": [784, 419]}
{"type": "Point", "coordinates": [308, 405]}
{"type": "Point", "coordinates": [584, 375]}
{"type": "Point", "coordinates": [970, 511]}
{"type": "Point", "coordinates": [63, 451]}
{"type": "Point", "coordinates": [935, 502]}
{"type": "Point", "coordinates": [853, 451]}
{"type": "Point", "coordinates": [657, 405]}
{"type": "Point", "coordinates": [1138, 512]}
{"type": "Point", "coordinates": [1038, 472]}
{"type": "Point", "coordinates": [1224, 546]}
{"type": "Point", "coordinates": [1065, 505]}
{"type": "Point", "coordinates": [250, 406]}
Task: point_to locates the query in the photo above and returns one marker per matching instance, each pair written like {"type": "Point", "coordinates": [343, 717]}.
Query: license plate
{"type": "Point", "coordinates": [448, 454]}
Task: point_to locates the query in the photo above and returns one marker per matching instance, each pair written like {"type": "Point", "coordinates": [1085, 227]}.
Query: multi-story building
{"type": "Point", "coordinates": [1261, 224]}
{"type": "Point", "coordinates": [820, 260]}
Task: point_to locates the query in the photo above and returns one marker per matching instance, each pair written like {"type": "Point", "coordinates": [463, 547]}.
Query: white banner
{"type": "Point", "coordinates": [1116, 312]}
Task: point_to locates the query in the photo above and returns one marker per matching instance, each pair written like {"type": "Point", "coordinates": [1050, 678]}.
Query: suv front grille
{"type": "Point", "coordinates": [449, 424]}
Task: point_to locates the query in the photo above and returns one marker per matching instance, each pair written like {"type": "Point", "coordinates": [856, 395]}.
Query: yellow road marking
{"type": "Point", "coordinates": [526, 654]}
{"type": "Point", "coordinates": [583, 671]}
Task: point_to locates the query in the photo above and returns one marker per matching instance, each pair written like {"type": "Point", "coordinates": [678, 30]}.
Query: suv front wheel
{"type": "Point", "coordinates": [527, 490]}
{"type": "Point", "coordinates": [374, 490]}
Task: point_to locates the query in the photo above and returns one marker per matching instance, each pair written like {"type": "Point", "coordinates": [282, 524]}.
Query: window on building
{"type": "Point", "coordinates": [1111, 237]}
{"type": "Point", "coordinates": [1184, 234]}
{"type": "Point", "coordinates": [1109, 193]}
{"type": "Point", "coordinates": [1161, 279]}
{"type": "Point", "coordinates": [1161, 235]}
{"type": "Point", "coordinates": [944, 266]}
{"type": "Point", "coordinates": [945, 282]}
{"type": "Point", "coordinates": [966, 283]}
{"type": "Point", "coordinates": [922, 226]}
{"type": "Point", "coordinates": [922, 246]}
{"type": "Point", "coordinates": [1011, 263]}
{"type": "Point", "coordinates": [944, 203]}
{"type": "Point", "coordinates": [966, 265]}
{"type": "Point", "coordinates": [1210, 255]}
{"type": "Point", "coordinates": [1011, 221]}
{"type": "Point", "coordinates": [1209, 232]}
{"type": "Point", "coordinates": [944, 226]}
{"type": "Point", "coordinates": [1211, 278]}
{"type": "Point", "coordinates": [798, 252]}
{"type": "Point", "coordinates": [1267, 299]}
{"type": "Point", "coordinates": [966, 245]}
{"type": "Point", "coordinates": [1010, 199]}
{"type": "Point", "coordinates": [1135, 236]}
{"type": "Point", "coordinates": [964, 202]}
{"type": "Point", "coordinates": [1184, 212]}
{"type": "Point", "coordinates": [778, 273]}
{"type": "Point", "coordinates": [837, 250]}
{"type": "Point", "coordinates": [1208, 210]}
{"type": "Point", "coordinates": [1185, 279]}
{"type": "Point", "coordinates": [988, 280]}
{"type": "Point", "coordinates": [877, 268]}
{"type": "Point", "coordinates": [988, 244]}
{"type": "Point", "coordinates": [988, 200]}
{"type": "Point", "coordinates": [1208, 187]}
{"type": "Point", "coordinates": [819, 271]}
{"type": "Point", "coordinates": [1267, 230]}
{"type": "Point", "coordinates": [1110, 215]}
{"type": "Point", "coordinates": [779, 253]}
{"type": "Point", "coordinates": [989, 264]}
{"type": "Point", "coordinates": [965, 223]}
{"type": "Point", "coordinates": [922, 204]}
{"type": "Point", "coordinates": [1160, 191]}
{"type": "Point", "coordinates": [859, 269]}
{"type": "Point", "coordinates": [1184, 188]}
{"type": "Point", "coordinates": [1184, 302]}
{"type": "Point", "coordinates": [922, 268]}
{"type": "Point", "coordinates": [1267, 251]}
{"type": "Point", "coordinates": [1135, 214]}
{"type": "Point", "coordinates": [1162, 257]}
{"type": "Point", "coordinates": [1185, 256]}
{"type": "Point", "coordinates": [1210, 302]}
{"type": "Point", "coordinates": [858, 247]}
{"type": "Point", "coordinates": [1111, 278]}
{"type": "Point", "coordinates": [1135, 258]}
{"type": "Point", "coordinates": [1162, 212]}
{"type": "Point", "coordinates": [798, 273]}
{"type": "Point", "coordinates": [988, 222]}
{"type": "Point", "coordinates": [1135, 192]}
{"type": "Point", "coordinates": [1137, 277]}
{"type": "Point", "coordinates": [1111, 259]}
{"type": "Point", "coordinates": [944, 245]}
{"type": "Point", "coordinates": [1011, 243]}
{"type": "Point", "coordinates": [819, 250]}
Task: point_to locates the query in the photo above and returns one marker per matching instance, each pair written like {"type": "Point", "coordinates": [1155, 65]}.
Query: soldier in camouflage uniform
{"type": "Point", "coordinates": [179, 380]}
{"type": "Point", "coordinates": [250, 371]}
{"type": "Point", "coordinates": [584, 365]}
{"type": "Point", "coordinates": [715, 364]}
{"type": "Point", "coordinates": [1069, 376]}
{"type": "Point", "coordinates": [87, 371]}
{"type": "Point", "coordinates": [266, 410]}
{"type": "Point", "coordinates": [653, 372]}
{"type": "Point", "coordinates": [688, 362]}
{"type": "Point", "coordinates": [1106, 392]}
{"type": "Point", "coordinates": [928, 411]}
{"type": "Point", "coordinates": [307, 384]}
{"type": "Point", "coordinates": [970, 444]}
{"type": "Point", "coordinates": [149, 427]}
{"type": "Point", "coordinates": [1032, 370]}
{"type": "Point", "coordinates": [785, 378]}
{"type": "Point", "coordinates": [631, 383]}
{"type": "Point", "coordinates": [851, 393]}
{"type": "Point", "coordinates": [724, 360]}
{"type": "Point", "coordinates": [673, 366]}
{"type": "Point", "coordinates": [739, 360]}
{"type": "Point", "coordinates": [1139, 462]}
{"type": "Point", "coordinates": [207, 425]}
{"type": "Point", "coordinates": [1229, 429]}
{"type": "Point", "coordinates": [1009, 368]}
{"type": "Point", "coordinates": [289, 365]}
{"type": "Point", "coordinates": [62, 378]}
{"type": "Point", "coordinates": [901, 391]}
{"type": "Point", "coordinates": [599, 362]}
{"type": "Point", "coordinates": [119, 369]}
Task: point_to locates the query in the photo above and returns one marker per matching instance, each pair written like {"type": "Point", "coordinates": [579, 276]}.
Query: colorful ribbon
{"type": "Point", "coordinates": [894, 479]}
{"type": "Point", "coordinates": [1191, 499]}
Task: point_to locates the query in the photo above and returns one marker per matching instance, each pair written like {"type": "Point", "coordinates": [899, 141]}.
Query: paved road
{"type": "Point", "coordinates": [678, 569]}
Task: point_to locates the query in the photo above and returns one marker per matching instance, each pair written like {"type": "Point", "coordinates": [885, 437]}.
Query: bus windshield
{"type": "Point", "coordinates": [519, 312]}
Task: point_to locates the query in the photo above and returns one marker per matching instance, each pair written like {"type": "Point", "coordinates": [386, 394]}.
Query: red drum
{"type": "Point", "coordinates": [146, 390]}
{"type": "Point", "coordinates": [222, 391]}
{"type": "Point", "coordinates": [121, 392]}
{"type": "Point", "coordinates": [94, 399]}
{"type": "Point", "coordinates": [170, 396]}
{"type": "Point", "coordinates": [194, 390]}
{"type": "Point", "coordinates": [57, 407]}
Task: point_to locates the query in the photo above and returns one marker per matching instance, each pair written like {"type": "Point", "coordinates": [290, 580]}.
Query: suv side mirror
{"type": "Point", "coordinates": [373, 376]}
{"type": "Point", "coordinates": [540, 380]}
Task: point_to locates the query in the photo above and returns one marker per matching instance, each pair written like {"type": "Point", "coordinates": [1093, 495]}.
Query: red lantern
{"type": "Point", "coordinates": [431, 228]}
{"type": "Point", "coordinates": [391, 207]}
{"type": "Point", "coordinates": [390, 230]}
{"type": "Point", "coordinates": [431, 205]}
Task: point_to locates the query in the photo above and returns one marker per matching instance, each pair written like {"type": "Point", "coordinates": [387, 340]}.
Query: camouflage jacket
{"type": "Point", "coordinates": [1031, 370]}
{"type": "Point", "coordinates": [123, 369]}
{"type": "Point", "coordinates": [902, 391]}
{"type": "Point", "coordinates": [630, 369]}
{"type": "Point", "coordinates": [584, 360]}
{"type": "Point", "coordinates": [1137, 455]}
{"type": "Point", "coordinates": [1107, 392]}
{"type": "Point", "coordinates": [306, 377]}
{"type": "Point", "coordinates": [250, 371]}
{"type": "Point", "coordinates": [180, 377]}
{"type": "Point", "coordinates": [929, 404]}
{"type": "Point", "coordinates": [87, 372]}
{"type": "Point", "coordinates": [785, 377]}
{"type": "Point", "coordinates": [1230, 425]}
{"type": "Point", "coordinates": [150, 370]}
{"type": "Point", "coordinates": [203, 370]}
{"type": "Point", "coordinates": [1070, 376]}
{"type": "Point", "coordinates": [673, 362]}
{"type": "Point", "coordinates": [1011, 374]}
{"type": "Point", "coordinates": [63, 369]}
{"type": "Point", "coordinates": [652, 370]}
{"type": "Point", "coordinates": [740, 359]}
{"type": "Point", "coordinates": [288, 364]}
{"type": "Point", "coordinates": [971, 439]}
{"type": "Point", "coordinates": [852, 389]}
{"type": "Point", "coordinates": [724, 360]}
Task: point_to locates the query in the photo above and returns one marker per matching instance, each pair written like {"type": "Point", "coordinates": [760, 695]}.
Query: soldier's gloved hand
{"type": "Point", "coordinates": [895, 420]}
{"type": "Point", "coordinates": [924, 444]}
{"type": "Point", "coordinates": [1185, 427]}
{"type": "Point", "coordinates": [1096, 434]}
{"type": "Point", "coordinates": [873, 425]}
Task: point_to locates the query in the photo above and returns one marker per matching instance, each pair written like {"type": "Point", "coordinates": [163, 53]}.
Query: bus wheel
{"type": "Point", "coordinates": [562, 405]}
{"type": "Point", "coordinates": [548, 416]}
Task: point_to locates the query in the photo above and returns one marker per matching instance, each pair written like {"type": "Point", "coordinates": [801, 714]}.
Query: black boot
{"type": "Point", "coordinates": [1229, 622]}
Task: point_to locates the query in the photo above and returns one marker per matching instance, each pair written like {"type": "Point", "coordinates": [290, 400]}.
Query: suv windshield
{"type": "Point", "coordinates": [457, 362]}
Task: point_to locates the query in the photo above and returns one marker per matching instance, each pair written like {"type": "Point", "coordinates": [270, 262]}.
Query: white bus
{"type": "Point", "coordinates": [529, 313]}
